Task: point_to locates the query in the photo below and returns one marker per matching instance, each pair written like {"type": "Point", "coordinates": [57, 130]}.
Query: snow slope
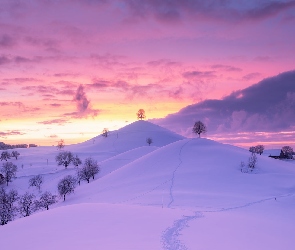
{"type": "Point", "coordinates": [129, 137]}
{"type": "Point", "coordinates": [145, 197]}
{"type": "Point", "coordinates": [196, 173]}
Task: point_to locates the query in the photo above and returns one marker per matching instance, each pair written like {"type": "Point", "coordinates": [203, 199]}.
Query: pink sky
{"type": "Point", "coordinates": [70, 68]}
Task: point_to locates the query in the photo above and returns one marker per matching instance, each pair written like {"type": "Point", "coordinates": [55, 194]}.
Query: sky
{"type": "Point", "coordinates": [69, 68]}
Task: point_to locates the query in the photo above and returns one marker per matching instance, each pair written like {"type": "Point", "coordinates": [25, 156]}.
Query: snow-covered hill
{"type": "Point", "coordinates": [145, 196]}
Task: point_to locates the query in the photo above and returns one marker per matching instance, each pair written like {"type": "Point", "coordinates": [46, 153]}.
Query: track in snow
{"type": "Point", "coordinates": [173, 175]}
{"type": "Point", "coordinates": [170, 236]}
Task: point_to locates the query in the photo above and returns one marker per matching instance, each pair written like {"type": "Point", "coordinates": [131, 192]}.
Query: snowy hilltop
{"type": "Point", "coordinates": [154, 189]}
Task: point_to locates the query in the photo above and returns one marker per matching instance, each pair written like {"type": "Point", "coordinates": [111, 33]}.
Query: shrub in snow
{"type": "Point", "coordinates": [252, 162]}
{"type": "Point", "coordinates": [27, 204]}
{"type": "Point", "coordinates": [243, 167]}
{"type": "Point", "coordinates": [15, 154]}
{"type": "Point", "coordinates": [46, 200]}
{"type": "Point", "coordinates": [5, 156]}
{"type": "Point", "coordinates": [199, 128]}
{"type": "Point", "coordinates": [66, 185]}
{"type": "Point", "coordinates": [8, 170]}
{"type": "Point", "coordinates": [7, 208]}
{"type": "Point", "coordinates": [149, 141]}
{"type": "Point", "coordinates": [36, 181]}
{"type": "Point", "coordinates": [65, 158]}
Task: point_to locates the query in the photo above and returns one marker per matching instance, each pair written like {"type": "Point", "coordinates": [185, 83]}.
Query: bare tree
{"type": "Point", "coordinates": [105, 132]}
{"type": "Point", "coordinates": [66, 185]}
{"type": "Point", "coordinates": [259, 149]}
{"type": "Point", "coordinates": [252, 162]}
{"type": "Point", "coordinates": [27, 204]}
{"type": "Point", "coordinates": [5, 156]}
{"type": "Point", "coordinates": [252, 150]}
{"type": "Point", "coordinates": [7, 208]}
{"type": "Point", "coordinates": [36, 181]}
{"type": "Point", "coordinates": [149, 141]}
{"type": "Point", "coordinates": [89, 169]}
{"type": "Point", "coordinates": [288, 152]}
{"type": "Point", "coordinates": [84, 174]}
{"type": "Point", "coordinates": [199, 128]}
{"type": "Point", "coordinates": [12, 196]}
{"type": "Point", "coordinates": [79, 175]}
{"type": "Point", "coordinates": [243, 167]}
{"type": "Point", "coordinates": [64, 158]}
{"type": "Point", "coordinates": [15, 154]}
{"type": "Point", "coordinates": [2, 179]}
{"type": "Point", "coordinates": [46, 200]}
{"type": "Point", "coordinates": [60, 144]}
{"type": "Point", "coordinates": [92, 165]}
{"type": "Point", "coordinates": [140, 114]}
{"type": "Point", "coordinates": [76, 161]}
{"type": "Point", "coordinates": [8, 170]}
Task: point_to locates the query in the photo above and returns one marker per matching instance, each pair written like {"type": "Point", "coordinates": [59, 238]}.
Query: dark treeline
{"type": "Point", "coordinates": [4, 146]}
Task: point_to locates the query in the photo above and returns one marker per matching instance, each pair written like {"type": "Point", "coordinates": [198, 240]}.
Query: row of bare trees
{"type": "Point", "coordinates": [5, 155]}
{"type": "Point", "coordinates": [89, 169]}
{"type": "Point", "coordinates": [12, 204]}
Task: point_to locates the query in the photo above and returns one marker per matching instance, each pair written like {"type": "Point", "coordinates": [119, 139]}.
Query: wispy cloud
{"type": "Point", "coordinates": [54, 121]}
{"type": "Point", "coordinates": [225, 67]}
{"type": "Point", "coordinates": [251, 76]}
{"type": "Point", "coordinates": [17, 104]}
{"type": "Point", "coordinates": [10, 133]}
{"type": "Point", "coordinates": [199, 74]}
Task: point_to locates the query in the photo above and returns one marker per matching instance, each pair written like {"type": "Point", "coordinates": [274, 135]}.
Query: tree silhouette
{"type": "Point", "coordinates": [15, 154]}
{"type": "Point", "coordinates": [66, 185]}
{"type": "Point", "coordinates": [199, 128]}
{"type": "Point", "coordinates": [5, 155]}
{"type": "Point", "coordinates": [140, 114]}
{"type": "Point", "coordinates": [105, 132]}
{"type": "Point", "coordinates": [60, 144]}
{"type": "Point", "coordinates": [288, 152]}
{"type": "Point", "coordinates": [149, 141]}
{"type": "Point", "coordinates": [8, 171]}
{"type": "Point", "coordinates": [65, 158]}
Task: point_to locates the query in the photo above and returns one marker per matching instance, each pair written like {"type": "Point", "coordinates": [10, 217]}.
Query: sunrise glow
{"type": "Point", "coordinates": [71, 68]}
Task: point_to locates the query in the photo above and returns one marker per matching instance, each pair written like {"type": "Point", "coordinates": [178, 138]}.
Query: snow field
{"type": "Point", "coordinates": [177, 193]}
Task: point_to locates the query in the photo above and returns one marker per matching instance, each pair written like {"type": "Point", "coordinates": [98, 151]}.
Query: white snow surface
{"type": "Point", "coordinates": [177, 193]}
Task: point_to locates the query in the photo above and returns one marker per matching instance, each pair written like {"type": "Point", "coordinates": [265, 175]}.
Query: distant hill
{"type": "Point", "coordinates": [127, 138]}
